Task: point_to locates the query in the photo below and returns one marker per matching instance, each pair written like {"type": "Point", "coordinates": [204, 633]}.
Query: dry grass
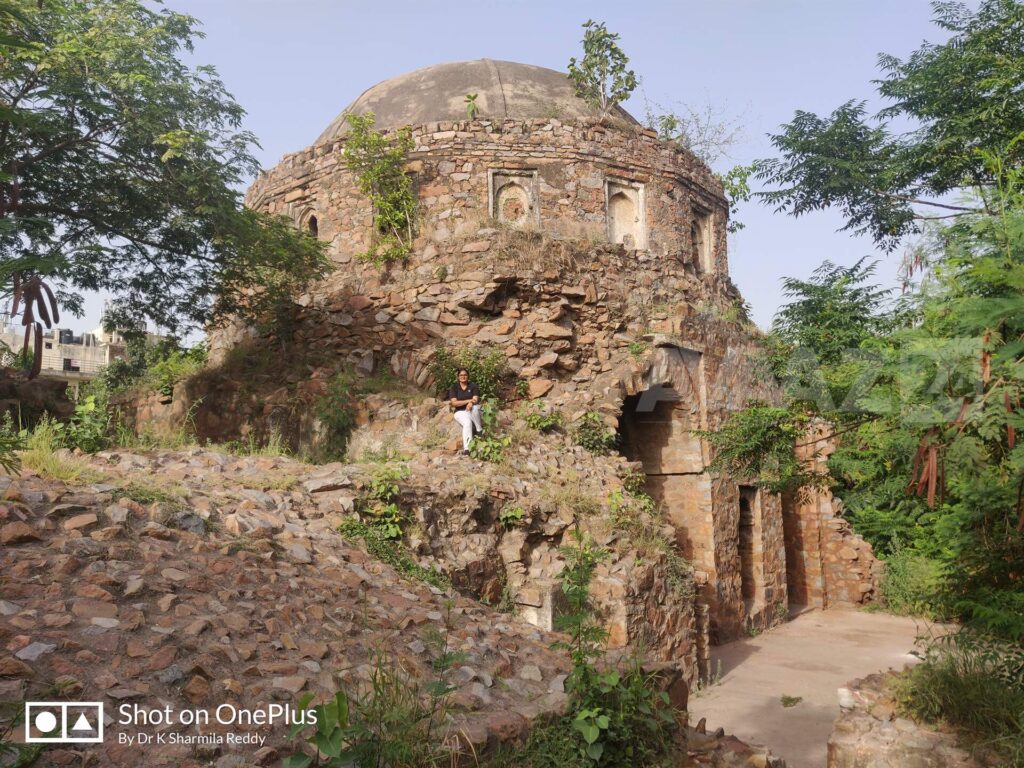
{"type": "Point", "coordinates": [43, 456]}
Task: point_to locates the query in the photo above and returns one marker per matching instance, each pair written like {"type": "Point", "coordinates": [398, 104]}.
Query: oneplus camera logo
{"type": "Point", "coordinates": [61, 722]}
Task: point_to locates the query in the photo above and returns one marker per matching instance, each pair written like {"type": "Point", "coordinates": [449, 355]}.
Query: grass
{"type": "Point", "coordinates": [42, 457]}
{"type": "Point", "coordinates": [974, 684]}
{"type": "Point", "coordinates": [550, 745]}
{"type": "Point", "coordinates": [567, 492]}
{"type": "Point", "coordinates": [910, 582]}
{"type": "Point", "coordinates": [393, 553]}
{"type": "Point", "coordinates": [148, 492]}
{"type": "Point", "coordinates": [790, 701]}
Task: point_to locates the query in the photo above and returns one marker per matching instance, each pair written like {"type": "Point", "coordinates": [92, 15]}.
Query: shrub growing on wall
{"type": "Point", "coordinates": [378, 162]}
{"type": "Point", "coordinates": [488, 371]}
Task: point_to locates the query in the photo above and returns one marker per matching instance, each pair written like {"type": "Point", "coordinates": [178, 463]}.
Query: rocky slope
{"type": "Point", "coordinates": [231, 585]}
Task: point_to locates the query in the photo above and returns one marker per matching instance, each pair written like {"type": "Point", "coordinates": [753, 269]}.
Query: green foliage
{"type": "Point", "coordinates": [911, 583]}
{"type": "Point", "coordinates": [472, 108]}
{"type": "Point", "coordinates": [956, 98]}
{"type": "Point", "coordinates": [757, 443]}
{"type": "Point", "coordinates": [378, 162]}
{"type": "Point", "coordinates": [736, 184]}
{"type": "Point", "coordinates": [634, 481]}
{"type": "Point", "coordinates": [790, 701]}
{"type": "Point", "coordinates": [391, 552]}
{"type": "Point", "coordinates": [152, 365]}
{"type": "Point", "coordinates": [974, 684]}
{"type": "Point", "coordinates": [399, 723]}
{"type": "Point", "coordinates": [927, 405]}
{"type": "Point", "coordinates": [123, 167]}
{"type": "Point", "coordinates": [378, 503]}
{"type": "Point", "coordinates": [511, 515]}
{"type": "Point", "coordinates": [552, 744]}
{"type": "Point", "coordinates": [87, 429]}
{"type": "Point", "coordinates": [487, 370]}
{"type": "Point", "coordinates": [335, 409]}
{"type": "Point", "coordinates": [600, 77]}
{"type": "Point", "coordinates": [489, 447]}
{"type": "Point", "coordinates": [43, 455]}
{"type": "Point", "coordinates": [541, 419]}
{"type": "Point", "coordinates": [14, 754]}
{"type": "Point", "coordinates": [593, 434]}
{"type": "Point", "coordinates": [926, 397]}
{"type": "Point", "coordinates": [11, 441]}
{"type": "Point", "coordinates": [619, 716]}
{"type": "Point", "coordinates": [833, 312]}
{"type": "Point", "coordinates": [638, 349]}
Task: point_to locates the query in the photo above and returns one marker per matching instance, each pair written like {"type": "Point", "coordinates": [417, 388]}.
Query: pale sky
{"type": "Point", "coordinates": [295, 65]}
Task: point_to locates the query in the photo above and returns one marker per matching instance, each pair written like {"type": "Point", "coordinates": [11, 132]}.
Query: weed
{"type": "Point", "coordinates": [542, 420]}
{"type": "Point", "coordinates": [566, 493]}
{"type": "Point", "coordinates": [618, 715]}
{"type": "Point", "coordinates": [910, 582]}
{"type": "Point", "coordinates": [637, 349]}
{"type": "Point", "coordinates": [593, 434]}
{"type": "Point", "coordinates": [398, 723]}
{"type": "Point", "coordinates": [510, 516]}
{"type": "Point", "coordinates": [146, 492]}
{"type": "Point", "coordinates": [391, 552]}
{"type": "Point", "coordinates": [12, 753]}
{"type": "Point", "coordinates": [976, 684]}
{"type": "Point", "coordinates": [336, 412]}
{"type": "Point", "coordinates": [383, 454]}
{"type": "Point", "coordinates": [490, 449]}
{"type": "Point", "coordinates": [379, 500]}
{"type": "Point", "coordinates": [43, 455]}
{"type": "Point", "coordinates": [11, 441]}
{"type": "Point", "coordinates": [790, 701]}
{"type": "Point", "coordinates": [634, 481]}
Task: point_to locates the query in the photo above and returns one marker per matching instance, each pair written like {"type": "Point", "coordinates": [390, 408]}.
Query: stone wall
{"type": "Point", "coordinates": [587, 324]}
{"type": "Point", "coordinates": [561, 171]}
{"type": "Point", "coordinates": [869, 734]}
{"type": "Point", "coordinates": [827, 563]}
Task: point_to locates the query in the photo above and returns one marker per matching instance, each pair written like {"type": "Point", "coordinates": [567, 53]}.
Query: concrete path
{"type": "Point", "coordinates": [811, 656]}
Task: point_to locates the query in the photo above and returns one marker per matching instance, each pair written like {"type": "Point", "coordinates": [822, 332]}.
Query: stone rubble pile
{"type": "Point", "coordinates": [869, 733]}
{"type": "Point", "coordinates": [242, 592]}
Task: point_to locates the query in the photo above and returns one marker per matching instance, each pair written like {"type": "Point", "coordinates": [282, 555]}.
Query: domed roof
{"type": "Point", "coordinates": [504, 89]}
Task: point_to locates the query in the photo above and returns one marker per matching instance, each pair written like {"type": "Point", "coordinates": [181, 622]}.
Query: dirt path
{"type": "Point", "coordinates": [812, 656]}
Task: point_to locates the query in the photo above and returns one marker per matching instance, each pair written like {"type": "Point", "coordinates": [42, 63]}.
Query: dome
{"type": "Point", "coordinates": [504, 89]}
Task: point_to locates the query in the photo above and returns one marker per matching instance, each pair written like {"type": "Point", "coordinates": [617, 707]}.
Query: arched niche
{"type": "Point", "coordinates": [308, 222]}
{"type": "Point", "coordinates": [513, 197]}
{"type": "Point", "coordinates": [626, 213]}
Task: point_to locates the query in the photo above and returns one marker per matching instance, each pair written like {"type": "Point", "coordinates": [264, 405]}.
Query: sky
{"type": "Point", "coordinates": [295, 65]}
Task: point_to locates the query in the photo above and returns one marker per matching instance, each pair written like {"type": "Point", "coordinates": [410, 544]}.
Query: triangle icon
{"type": "Point", "coordinates": [81, 724]}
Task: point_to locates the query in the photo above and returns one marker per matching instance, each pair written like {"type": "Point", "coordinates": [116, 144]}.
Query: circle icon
{"type": "Point", "coordinates": [45, 722]}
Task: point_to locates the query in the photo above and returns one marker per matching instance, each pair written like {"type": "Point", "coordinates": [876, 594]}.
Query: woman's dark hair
{"type": "Point", "coordinates": [461, 370]}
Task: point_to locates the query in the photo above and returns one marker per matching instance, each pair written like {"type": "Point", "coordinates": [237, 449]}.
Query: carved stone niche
{"type": "Point", "coordinates": [702, 247]}
{"type": "Point", "coordinates": [626, 206]}
{"type": "Point", "coordinates": [512, 195]}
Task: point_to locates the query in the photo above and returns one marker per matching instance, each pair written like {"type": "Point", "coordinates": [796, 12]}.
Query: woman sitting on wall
{"type": "Point", "coordinates": [464, 398]}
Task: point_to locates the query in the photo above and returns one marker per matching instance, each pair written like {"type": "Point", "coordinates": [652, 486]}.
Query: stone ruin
{"type": "Point", "coordinates": [593, 255]}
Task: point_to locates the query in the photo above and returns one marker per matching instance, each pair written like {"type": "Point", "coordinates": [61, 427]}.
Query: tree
{"type": "Point", "coordinates": [927, 396]}
{"type": "Point", "coordinates": [959, 97]}
{"type": "Point", "coordinates": [120, 167]}
{"type": "Point", "coordinates": [601, 78]}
